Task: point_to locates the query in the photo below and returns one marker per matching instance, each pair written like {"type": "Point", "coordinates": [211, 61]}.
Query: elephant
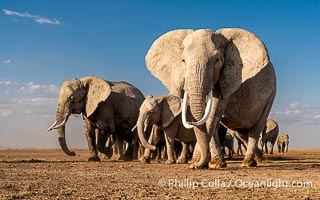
{"type": "Point", "coordinates": [228, 142]}
{"type": "Point", "coordinates": [109, 107]}
{"type": "Point", "coordinates": [269, 134]}
{"type": "Point", "coordinates": [164, 112]}
{"type": "Point", "coordinates": [224, 75]}
{"type": "Point", "coordinates": [240, 143]}
{"type": "Point", "coordinates": [283, 143]}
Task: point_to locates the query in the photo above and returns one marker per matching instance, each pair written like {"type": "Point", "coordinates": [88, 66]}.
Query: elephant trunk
{"type": "Point", "coordinates": [61, 118]}
{"type": "Point", "coordinates": [197, 98]}
{"type": "Point", "coordinates": [141, 133]}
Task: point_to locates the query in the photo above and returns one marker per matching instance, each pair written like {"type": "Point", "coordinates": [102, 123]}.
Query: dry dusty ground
{"type": "Point", "coordinates": [49, 174]}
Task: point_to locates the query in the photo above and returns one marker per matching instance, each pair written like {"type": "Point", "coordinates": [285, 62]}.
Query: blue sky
{"type": "Point", "coordinates": [43, 43]}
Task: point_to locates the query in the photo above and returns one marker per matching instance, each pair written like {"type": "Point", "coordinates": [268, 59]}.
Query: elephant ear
{"type": "Point", "coordinates": [171, 108]}
{"type": "Point", "coordinates": [164, 60]}
{"type": "Point", "coordinates": [97, 90]}
{"type": "Point", "coordinates": [244, 57]}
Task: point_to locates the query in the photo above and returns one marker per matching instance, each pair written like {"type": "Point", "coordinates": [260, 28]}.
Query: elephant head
{"type": "Point", "coordinates": [198, 63]}
{"type": "Point", "coordinates": [160, 111]}
{"type": "Point", "coordinates": [78, 96]}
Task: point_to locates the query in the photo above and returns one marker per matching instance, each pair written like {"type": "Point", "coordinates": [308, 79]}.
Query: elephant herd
{"type": "Point", "coordinates": [270, 134]}
{"type": "Point", "coordinates": [214, 78]}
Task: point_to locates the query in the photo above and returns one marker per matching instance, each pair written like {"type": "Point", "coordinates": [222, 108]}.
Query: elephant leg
{"type": "Point", "coordinates": [163, 152]}
{"type": "Point", "coordinates": [254, 134]}
{"type": "Point", "coordinates": [279, 148]}
{"type": "Point", "coordinates": [89, 130]}
{"type": "Point", "coordinates": [119, 144]}
{"type": "Point", "coordinates": [140, 151]}
{"type": "Point", "coordinates": [154, 139]}
{"type": "Point", "coordinates": [196, 155]}
{"type": "Point", "coordinates": [183, 158]}
{"type": "Point", "coordinates": [230, 151]}
{"type": "Point", "coordinates": [287, 146]}
{"type": "Point", "coordinates": [135, 147]}
{"type": "Point", "coordinates": [102, 138]}
{"type": "Point", "coordinates": [251, 149]}
{"type": "Point", "coordinates": [217, 158]}
{"type": "Point", "coordinates": [241, 152]}
{"type": "Point", "coordinates": [129, 147]}
{"type": "Point", "coordinates": [170, 148]}
{"type": "Point", "coordinates": [266, 147]}
{"type": "Point", "coordinates": [271, 149]}
{"type": "Point", "coordinates": [127, 156]}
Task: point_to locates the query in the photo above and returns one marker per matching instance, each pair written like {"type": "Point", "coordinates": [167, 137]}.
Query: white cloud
{"type": "Point", "coordinates": [42, 20]}
{"type": "Point", "coordinates": [37, 101]}
{"type": "Point", "coordinates": [7, 61]}
{"type": "Point", "coordinates": [316, 116]}
{"type": "Point", "coordinates": [36, 18]}
{"type": "Point", "coordinates": [6, 83]}
{"type": "Point", "coordinates": [5, 112]}
{"type": "Point", "coordinates": [298, 113]}
{"type": "Point", "coordinates": [32, 87]}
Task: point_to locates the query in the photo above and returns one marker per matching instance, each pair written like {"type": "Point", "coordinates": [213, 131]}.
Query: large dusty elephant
{"type": "Point", "coordinates": [165, 112]}
{"type": "Point", "coordinates": [283, 143]}
{"type": "Point", "coordinates": [110, 107]}
{"type": "Point", "coordinates": [269, 134]}
{"type": "Point", "coordinates": [230, 71]}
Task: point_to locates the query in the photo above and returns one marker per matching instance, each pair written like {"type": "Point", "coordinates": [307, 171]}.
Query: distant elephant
{"type": "Point", "coordinates": [164, 112]}
{"type": "Point", "coordinates": [110, 107]}
{"type": "Point", "coordinates": [269, 134]}
{"type": "Point", "coordinates": [239, 150]}
{"type": "Point", "coordinates": [228, 142]}
{"type": "Point", "coordinates": [230, 71]}
{"type": "Point", "coordinates": [240, 144]}
{"type": "Point", "coordinates": [283, 143]}
{"type": "Point", "coordinates": [225, 140]}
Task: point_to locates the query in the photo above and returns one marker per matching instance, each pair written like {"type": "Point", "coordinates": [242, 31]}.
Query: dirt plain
{"type": "Point", "coordinates": [49, 174]}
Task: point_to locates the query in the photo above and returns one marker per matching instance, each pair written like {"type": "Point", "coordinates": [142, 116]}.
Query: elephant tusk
{"type": "Point", "coordinates": [61, 124]}
{"type": "Point", "coordinates": [134, 128]}
{"type": "Point", "coordinates": [51, 127]}
{"type": "Point", "coordinates": [207, 111]}
{"type": "Point", "coordinates": [145, 127]}
{"type": "Point", "coordinates": [184, 112]}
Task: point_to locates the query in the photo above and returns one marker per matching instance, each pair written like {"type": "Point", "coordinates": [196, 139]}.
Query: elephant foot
{"type": "Point", "coordinates": [182, 161]}
{"type": "Point", "coordinates": [170, 161]}
{"type": "Point", "coordinates": [217, 164]}
{"type": "Point", "coordinates": [145, 160]}
{"type": "Point", "coordinates": [194, 165]}
{"type": "Point", "coordinates": [94, 159]}
{"type": "Point", "coordinates": [248, 163]}
{"type": "Point", "coordinates": [258, 156]}
{"type": "Point", "coordinates": [109, 153]}
{"type": "Point", "coordinates": [125, 158]}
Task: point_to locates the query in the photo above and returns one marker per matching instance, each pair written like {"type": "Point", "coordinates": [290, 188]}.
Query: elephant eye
{"type": "Point", "coordinates": [217, 59]}
{"type": "Point", "coordinates": [183, 61]}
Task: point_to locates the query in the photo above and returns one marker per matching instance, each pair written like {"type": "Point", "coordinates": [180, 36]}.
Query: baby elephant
{"type": "Point", "coordinates": [165, 113]}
